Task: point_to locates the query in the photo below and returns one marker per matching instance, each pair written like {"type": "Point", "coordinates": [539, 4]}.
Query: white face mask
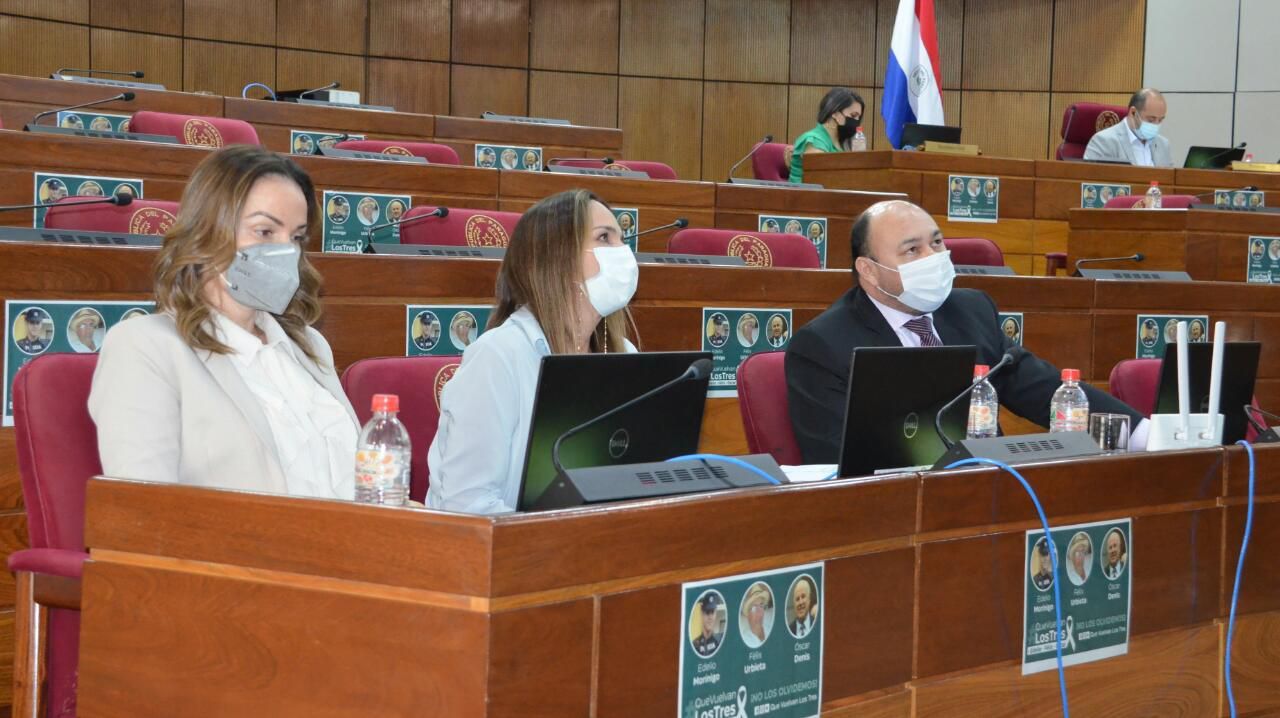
{"type": "Point", "coordinates": [612, 288]}
{"type": "Point", "coordinates": [926, 282]}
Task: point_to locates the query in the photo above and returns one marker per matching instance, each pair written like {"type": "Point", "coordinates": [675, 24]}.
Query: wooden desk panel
{"type": "Point", "coordinates": [1193, 181]}
{"type": "Point", "coordinates": [21, 98]}
{"type": "Point", "coordinates": [1058, 183]}
{"type": "Point", "coordinates": [274, 120]}
{"type": "Point", "coordinates": [463, 133]}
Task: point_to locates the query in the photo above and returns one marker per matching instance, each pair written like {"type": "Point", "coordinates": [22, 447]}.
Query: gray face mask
{"type": "Point", "coordinates": [264, 276]}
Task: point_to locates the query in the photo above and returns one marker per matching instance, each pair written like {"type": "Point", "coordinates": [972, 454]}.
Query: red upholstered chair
{"type": "Point", "coordinates": [430, 151]}
{"type": "Point", "coordinates": [762, 399]}
{"type": "Point", "coordinates": [757, 249]}
{"type": "Point", "coordinates": [1053, 261]}
{"type": "Point", "coordinates": [417, 381]}
{"type": "Point", "coordinates": [57, 454]}
{"type": "Point", "coordinates": [141, 216]}
{"type": "Point", "coordinates": [195, 130]}
{"type": "Point", "coordinates": [461, 227]}
{"type": "Point", "coordinates": [1168, 201]}
{"type": "Point", "coordinates": [977, 251]}
{"type": "Point", "coordinates": [770, 162]}
{"type": "Point", "coordinates": [1135, 381]}
{"type": "Point", "coordinates": [655, 170]}
{"type": "Point", "coordinates": [1081, 121]}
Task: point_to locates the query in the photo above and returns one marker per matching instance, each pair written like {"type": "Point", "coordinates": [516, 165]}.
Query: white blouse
{"type": "Point", "coordinates": [315, 437]}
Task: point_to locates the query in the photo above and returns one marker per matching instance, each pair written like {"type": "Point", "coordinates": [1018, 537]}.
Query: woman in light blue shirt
{"type": "Point", "coordinates": [563, 288]}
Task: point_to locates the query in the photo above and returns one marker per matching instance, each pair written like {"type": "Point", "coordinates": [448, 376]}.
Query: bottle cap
{"type": "Point", "coordinates": [980, 370]}
{"type": "Point", "coordinates": [1071, 375]}
{"type": "Point", "coordinates": [1155, 184]}
{"type": "Point", "coordinates": [386, 402]}
{"type": "Point", "coordinates": [859, 128]}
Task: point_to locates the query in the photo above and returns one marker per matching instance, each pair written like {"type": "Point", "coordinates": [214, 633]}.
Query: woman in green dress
{"type": "Point", "coordinates": [839, 116]}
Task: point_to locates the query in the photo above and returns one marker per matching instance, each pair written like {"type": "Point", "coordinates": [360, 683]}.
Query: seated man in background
{"type": "Point", "coordinates": [902, 296]}
{"type": "Point", "coordinates": [1135, 139]}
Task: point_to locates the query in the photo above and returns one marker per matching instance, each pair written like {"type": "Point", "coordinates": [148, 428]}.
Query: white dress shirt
{"type": "Point", "coordinates": [477, 458]}
{"type": "Point", "coordinates": [897, 321]}
{"type": "Point", "coordinates": [1141, 149]}
{"type": "Point", "coordinates": [315, 437]}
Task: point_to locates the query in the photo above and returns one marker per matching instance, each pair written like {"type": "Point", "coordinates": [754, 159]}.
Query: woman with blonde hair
{"type": "Point", "coordinates": [563, 288]}
{"type": "Point", "coordinates": [227, 385]}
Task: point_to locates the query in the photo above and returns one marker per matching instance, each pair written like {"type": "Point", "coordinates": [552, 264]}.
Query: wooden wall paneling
{"type": "Point", "coordinates": [7, 646]}
{"type": "Point", "coordinates": [409, 85]}
{"type": "Point", "coordinates": [491, 32]}
{"type": "Point", "coordinates": [748, 42]}
{"type": "Point", "coordinates": [661, 38]}
{"type": "Point", "coordinates": [578, 35]}
{"type": "Point", "coordinates": [224, 69]}
{"type": "Point", "coordinates": [582, 99]}
{"type": "Point", "coordinates": [157, 16]}
{"type": "Point", "coordinates": [332, 26]}
{"type": "Point", "coordinates": [13, 537]}
{"type": "Point", "coordinates": [735, 116]}
{"type": "Point", "coordinates": [411, 29]}
{"type": "Point", "coordinates": [473, 90]}
{"type": "Point", "coordinates": [38, 47]}
{"type": "Point", "coordinates": [661, 119]}
{"type": "Point", "coordinates": [64, 10]}
{"type": "Point", "coordinates": [833, 42]}
{"type": "Point", "coordinates": [802, 110]}
{"type": "Point", "coordinates": [10, 481]}
{"type": "Point", "coordinates": [160, 57]}
{"type": "Point", "coordinates": [1060, 101]}
{"type": "Point", "coordinates": [1007, 45]}
{"type": "Point", "coordinates": [1007, 124]}
{"type": "Point", "coordinates": [952, 106]}
{"type": "Point", "coordinates": [1098, 46]}
{"type": "Point", "coordinates": [249, 21]}
{"type": "Point", "coordinates": [950, 21]}
{"type": "Point", "coordinates": [300, 70]}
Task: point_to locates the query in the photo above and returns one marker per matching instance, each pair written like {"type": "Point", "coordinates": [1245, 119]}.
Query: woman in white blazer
{"type": "Point", "coordinates": [227, 385]}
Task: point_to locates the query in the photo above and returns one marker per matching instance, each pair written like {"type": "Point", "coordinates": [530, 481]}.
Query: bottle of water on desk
{"type": "Point", "coordinates": [984, 406]}
{"type": "Point", "coordinates": [1069, 410]}
{"type": "Point", "coordinates": [1154, 196]}
{"type": "Point", "coordinates": [859, 143]}
{"type": "Point", "coordinates": [382, 458]}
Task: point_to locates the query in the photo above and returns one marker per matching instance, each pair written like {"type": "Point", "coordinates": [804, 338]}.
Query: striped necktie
{"type": "Point", "coordinates": [922, 326]}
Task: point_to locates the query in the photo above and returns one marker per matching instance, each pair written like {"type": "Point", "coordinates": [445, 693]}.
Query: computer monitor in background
{"type": "Point", "coordinates": [894, 395]}
{"type": "Point", "coordinates": [915, 135]}
{"type": "Point", "coordinates": [575, 388]}
{"type": "Point", "coordinates": [1239, 369]}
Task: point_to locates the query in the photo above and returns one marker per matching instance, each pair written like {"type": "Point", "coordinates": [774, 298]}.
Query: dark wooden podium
{"type": "Point", "coordinates": [212, 603]}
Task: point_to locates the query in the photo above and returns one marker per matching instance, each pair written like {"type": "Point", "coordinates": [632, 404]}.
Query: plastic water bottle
{"type": "Point", "coordinates": [382, 459]}
{"type": "Point", "coordinates": [859, 143]}
{"type": "Point", "coordinates": [1154, 196]}
{"type": "Point", "coordinates": [984, 407]}
{"type": "Point", "coordinates": [1069, 410]}
{"type": "Point", "coordinates": [1248, 158]}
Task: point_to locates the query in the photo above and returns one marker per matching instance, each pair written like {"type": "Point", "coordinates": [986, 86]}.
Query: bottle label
{"type": "Point", "coordinates": [1076, 419]}
{"type": "Point", "coordinates": [377, 468]}
{"type": "Point", "coordinates": [982, 420]}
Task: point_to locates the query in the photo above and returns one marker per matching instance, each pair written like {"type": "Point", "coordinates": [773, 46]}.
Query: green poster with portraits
{"type": "Point", "coordinates": [732, 335]}
{"type": "Point", "coordinates": [1157, 331]}
{"type": "Point", "coordinates": [310, 142]}
{"type": "Point", "coordinates": [1095, 195]}
{"type": "Point", "coordinates": [509, 157]}
{"type": "Point", "coordinates": [751, 645]}
{"type": "Point", "coordinates": [629, 221]}
{"type": "Point", "coordinates": [973, 199]}
{"type": "Point", "coordinates": [433, 329]}
{"type": "Point", "coordinates": [1094, 577]}
{"type": "Point", "coordinates": [813, 228]}
{"type": "Point", "coordinates": [93, 121]}
{"type": "Point", "coordinates": [1011, 325]}
{"type": "Point", "coordinates": [349, 217]}
{"type": "Point", "coordinates": [34, 327]}
{"type": "Point", "coordinates": [1239, 198]}
{"type": "Point", "coordinates": [1263, 260]}
{"type": "Point", "coordinates": [51, 187]}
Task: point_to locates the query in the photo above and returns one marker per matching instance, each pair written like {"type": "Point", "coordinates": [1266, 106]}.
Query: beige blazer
{"type": "Point", "coordinates": [167, 412]}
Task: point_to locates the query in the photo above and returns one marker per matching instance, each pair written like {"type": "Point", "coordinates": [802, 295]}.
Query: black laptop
{"type": "Point", "coordinates": [915, 135]}
{"type": "Point", "coordinates": [1239, 369]}
{"type": "Point", "coordinates": [574, 388]}
{"type": "Point", "coordinates": [1212, 158]}
{"type": "Point", "coordinates": [894, 395]}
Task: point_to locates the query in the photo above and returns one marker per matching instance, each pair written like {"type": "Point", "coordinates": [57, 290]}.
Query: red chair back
{"type": "Point", "coordinates": [406, 377]}
{"type": "Point", "coordinates": [1081, 121]}
{"type": "Point", "coordinates": [977, 251]}
{"type": "Point", "coordinates": [461, 227]}
{"type": "Point", "coordinates": [770, 162]}
{"type": "Point", "coordinates": [762, 399]}
{"type": "Point", "coordinates": [757, 249]}
{"type": "Point", "coordinates": [195, 130]}
{"type": "Point", "coordinates": [430, 151]}
{"type": "Point", "coordinates": [1168, 201]}
{"type": "Point", "coordinates": [141, 216]}
{"type": "Point", "coordinates": [655, 170]}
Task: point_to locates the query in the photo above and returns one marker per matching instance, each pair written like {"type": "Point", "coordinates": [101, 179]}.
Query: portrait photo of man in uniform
{"type": "Point", "coordinates": [710, 617]}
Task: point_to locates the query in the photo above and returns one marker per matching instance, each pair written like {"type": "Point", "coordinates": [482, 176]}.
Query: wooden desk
{"type": "Point", "coordinates": [229, 603]}
{"type": "Point", "coordinates": [462, 134]}
{"type": "Point", "coordinates": [1190, 181]}
{"type": "Point", "coordinates": [21, 98]}
{"type": "Point", "coordinates": [1208, 244]}
{"type": "Point", "coordinates": [274, 120]}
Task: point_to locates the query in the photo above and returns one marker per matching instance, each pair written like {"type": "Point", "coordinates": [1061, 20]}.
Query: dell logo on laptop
{"type": "Point", "coordinates": [619, 443]}
{"type": "Point", "coordinates": [911, 425]}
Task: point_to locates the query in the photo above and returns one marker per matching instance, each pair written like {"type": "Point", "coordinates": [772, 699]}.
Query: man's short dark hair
{"type": "Point", "coordinates": [860, 238]}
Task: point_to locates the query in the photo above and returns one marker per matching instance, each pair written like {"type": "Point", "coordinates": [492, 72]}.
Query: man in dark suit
{"type": "Point", "coordinates": [902, 296]}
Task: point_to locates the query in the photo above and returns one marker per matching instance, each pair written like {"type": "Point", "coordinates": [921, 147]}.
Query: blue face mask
{"type": "Point", "coordinates": [1148, 130]}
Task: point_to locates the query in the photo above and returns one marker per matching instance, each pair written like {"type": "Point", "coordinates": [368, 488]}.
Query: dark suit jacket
{"type": "Point", "coordinates": [817, 366]}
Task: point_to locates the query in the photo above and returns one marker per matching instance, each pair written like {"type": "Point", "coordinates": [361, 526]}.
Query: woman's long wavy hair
{"type": "Point", "coordinates": [542, 270]}
{"type": "Point", "coordinates": [202, 243]}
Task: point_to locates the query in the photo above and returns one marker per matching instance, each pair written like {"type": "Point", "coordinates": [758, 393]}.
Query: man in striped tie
{"type": "Point", "coordinates": [902, 296]}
